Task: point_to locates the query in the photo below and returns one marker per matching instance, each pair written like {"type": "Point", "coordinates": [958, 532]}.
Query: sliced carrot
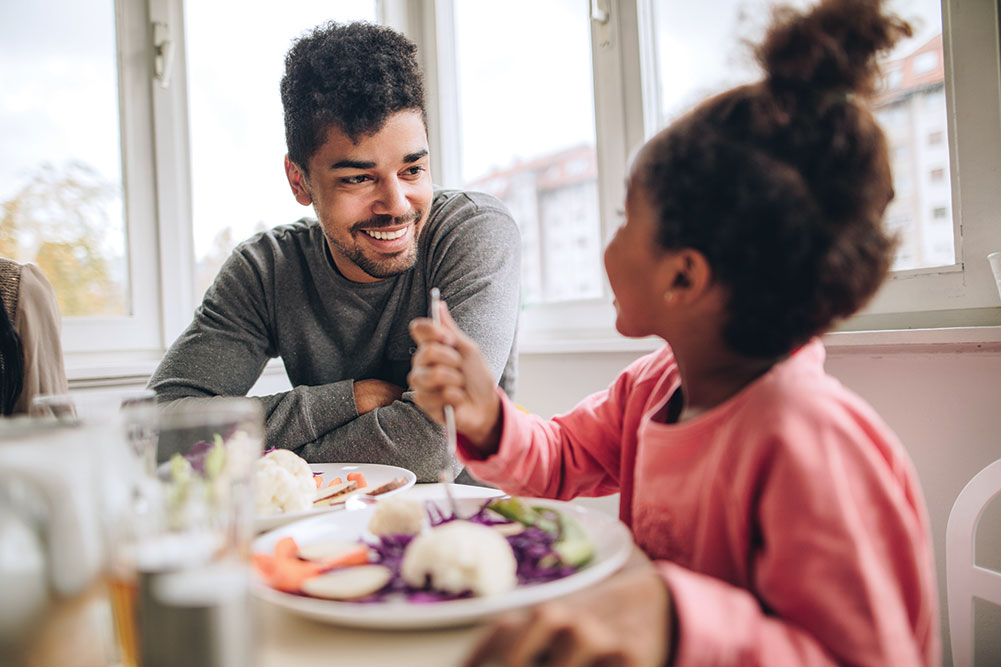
{"type": "Point", "coordinates": [285, 571]}
{"type": "Point", "coordinates": [286, 548]}
{"type": "Point", "coordinates": [265, 565]}
{"type": "Point", "coordinates": [318, 480]}
{"type": "Point", "coordinates": [291, 572]}
{"type": "Point", "coordinates": [337, 480]}
{"type": "Point", "coordinates": [358, 477]}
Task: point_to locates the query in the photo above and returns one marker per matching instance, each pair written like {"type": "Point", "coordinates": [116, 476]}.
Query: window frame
{"type": "Point", "coordinates": [157, 192]}
{"type": "Point", "coordinates": [625, 84]}
{"type": "Point", "coordinates": [138, 333]}
{"type": "Point", "coordinates": [963, 294]}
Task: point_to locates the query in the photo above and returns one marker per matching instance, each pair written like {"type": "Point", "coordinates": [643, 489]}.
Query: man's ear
{"type": "Point", "coordinates": [297, 180]}
{"type": "Point", "coordinates": [689, 276]}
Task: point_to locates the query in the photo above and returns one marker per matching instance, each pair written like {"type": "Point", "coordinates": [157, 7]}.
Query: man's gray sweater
{"type": "Point", "coordinates": [280, 295]}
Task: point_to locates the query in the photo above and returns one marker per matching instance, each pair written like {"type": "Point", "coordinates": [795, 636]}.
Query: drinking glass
{"type": "Point", "coordinates": [180, 561]}
{"type": "Point", "coordinates": [132, 411]}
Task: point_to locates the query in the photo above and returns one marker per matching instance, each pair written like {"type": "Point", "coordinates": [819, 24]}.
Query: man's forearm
{"type": "Point", "coordinates": [399, 435]}
{"type": "Point", "coordinates": [323, 424]}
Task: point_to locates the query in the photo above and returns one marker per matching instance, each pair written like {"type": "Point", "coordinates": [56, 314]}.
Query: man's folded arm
{"type": "Point", "coordinates": [399, 434]}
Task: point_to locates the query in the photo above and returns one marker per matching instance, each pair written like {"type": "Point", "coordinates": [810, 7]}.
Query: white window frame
{"type": "Point", "coordinates": [957, 303]}
{"type": "Point", "coordinates": [949, 300]}
{"type": "Point", "coordinates": [157, 203]}
{"type": "Point", "coordinates": [138, 329]}
{"type": "Point", "coordinates": [964, 294]}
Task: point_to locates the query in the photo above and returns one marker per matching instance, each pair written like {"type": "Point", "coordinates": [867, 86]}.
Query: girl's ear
{"type": "Point", "coordinates": [297, 180]}
{"type": "Point", "coordinates": [688, 276]}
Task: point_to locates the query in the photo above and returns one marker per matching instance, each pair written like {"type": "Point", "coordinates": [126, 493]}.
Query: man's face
{"type": "Point", "coordinates": [372, 198]}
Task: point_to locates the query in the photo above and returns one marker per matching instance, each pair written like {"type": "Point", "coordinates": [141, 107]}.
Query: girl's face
{"type": "Point", "coordinates": [631, 261]}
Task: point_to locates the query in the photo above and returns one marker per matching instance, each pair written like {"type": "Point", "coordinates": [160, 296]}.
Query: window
{"type": "Point", "coordinates": [65, 125]}
{"type": "Point", "coordinates": [926, 62]}
{"type": "Point", "coordinates": [660, 58]}
{"type": "Point", "coordinates": [540, 103]}
{"type": "Point", "coordinates": [698, 54]}
{"type": "Point", "coordinates": [691, 66]}
{"type": "Point", "coordinates": [539, 157]}
{"type": "Point", "coordinates": [892, 78]}
{"type": "Point", "coordinates": [61, 179]}
{"type": "Point", "coordinates": [235, 115]}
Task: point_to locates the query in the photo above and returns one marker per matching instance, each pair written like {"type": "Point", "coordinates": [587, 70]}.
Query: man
{"type": "Point", "coordinates": [333, 296]}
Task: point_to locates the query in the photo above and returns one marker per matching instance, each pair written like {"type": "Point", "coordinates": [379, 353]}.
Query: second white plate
{"type": "Point", "coordinates": [375, 474]}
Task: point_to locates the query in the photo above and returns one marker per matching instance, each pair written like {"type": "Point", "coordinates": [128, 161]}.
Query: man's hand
{"type": "Point", "coordinates": [623, 621]}
{"type": "Point", "coordinates": [371, 394]}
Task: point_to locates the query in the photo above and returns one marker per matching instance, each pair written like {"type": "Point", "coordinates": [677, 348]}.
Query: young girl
{"type": "Point", "coordinates": [783, 518]}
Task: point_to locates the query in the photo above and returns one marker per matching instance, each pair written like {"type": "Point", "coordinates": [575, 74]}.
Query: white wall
{"type": "Point", "coordinates": [946, 408]}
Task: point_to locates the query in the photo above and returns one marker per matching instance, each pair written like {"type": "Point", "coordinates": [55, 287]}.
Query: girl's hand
{"type": "Point", "coordinates": [449, 369]}
{"type": "Point", "coordinates": [622, 621]}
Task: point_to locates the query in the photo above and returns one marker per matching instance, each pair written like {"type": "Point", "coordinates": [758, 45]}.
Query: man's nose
{"type": "Point", "coordinates": [392, 199]}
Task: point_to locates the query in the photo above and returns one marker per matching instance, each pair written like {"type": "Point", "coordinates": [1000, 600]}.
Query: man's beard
{"type": "Point", "coordinates": [381, 268]}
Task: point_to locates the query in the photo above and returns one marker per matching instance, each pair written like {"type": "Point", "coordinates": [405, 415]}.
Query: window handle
{"type": "Point", "coordinates": [599, 11]}
{"type": "Point", "coordinates": [163, 53]}
{"type": "Point", "coordinates": [601, 14]}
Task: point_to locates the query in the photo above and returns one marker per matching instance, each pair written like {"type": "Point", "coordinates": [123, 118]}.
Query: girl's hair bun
{"type": "Point", "coordinates": [829, 50]}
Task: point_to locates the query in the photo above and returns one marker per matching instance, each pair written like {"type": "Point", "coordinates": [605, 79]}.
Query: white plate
{"type": "Point", "coordinates": [613, 546]}
{"type": "Point", "coordinates": [375, 474]}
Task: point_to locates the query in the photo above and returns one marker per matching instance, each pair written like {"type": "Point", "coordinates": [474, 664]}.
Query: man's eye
{"type": "Point", "coordinates": [354, 180]}
{"type": "Point", "coordinates": [413, 171]}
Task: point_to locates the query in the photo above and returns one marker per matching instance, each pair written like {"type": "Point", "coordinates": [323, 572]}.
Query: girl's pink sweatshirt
{"type": "Point", "coordinates": [787, 522]}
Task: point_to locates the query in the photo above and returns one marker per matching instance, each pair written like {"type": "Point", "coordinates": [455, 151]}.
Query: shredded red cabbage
{"type": "Point", "coordinates": [196, 455]}
{"type": "Point", "coordinates": [533, 550]}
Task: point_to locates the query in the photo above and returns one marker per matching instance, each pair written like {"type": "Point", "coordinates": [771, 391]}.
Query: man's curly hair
{"type": "Point", "coordinates": [353, 76]}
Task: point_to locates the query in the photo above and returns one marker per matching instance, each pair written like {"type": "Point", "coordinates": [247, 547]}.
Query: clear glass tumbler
{"type": "Point", "coordinates": [180, 559]}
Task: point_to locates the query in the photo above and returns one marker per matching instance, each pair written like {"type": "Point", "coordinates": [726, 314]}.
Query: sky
{"type": "Point", "coordinates": [546, 61]}
{"type": "Point", "coordinates": [58, 87]}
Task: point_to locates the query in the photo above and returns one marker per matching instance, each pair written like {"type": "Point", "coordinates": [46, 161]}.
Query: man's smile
{"type": "Point", "coordinates": [386, 235]}
{"type": "Point", "coordinates": [388, 240]}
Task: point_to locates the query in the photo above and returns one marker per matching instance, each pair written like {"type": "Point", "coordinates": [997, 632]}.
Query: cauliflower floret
{"type": "Point", "coordinates": [283, 482]}
{"type": "Point", "coordinates": [398, 516]}
{"type": "Point", "coordinates": [461, 556]}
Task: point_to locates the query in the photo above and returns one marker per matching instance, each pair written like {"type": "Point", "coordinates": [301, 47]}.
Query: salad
{"type": "Point", "coordinates": [421, 553]}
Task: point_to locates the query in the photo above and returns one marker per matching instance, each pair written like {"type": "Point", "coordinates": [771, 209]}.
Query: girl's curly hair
{"type": "Point", "coordinates": [782, 184]}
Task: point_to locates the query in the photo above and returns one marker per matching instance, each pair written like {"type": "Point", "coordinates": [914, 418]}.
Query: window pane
{"type": "Point", "coordinates": [236, 58]}
{"type": "Point", "coordinates": [527, 134]}
{"type": "Point", "coordinates": [701, 50]}
{"type": "Point", "coordinates": [61, 177]}
{"type": "Point", "coordinates": [910, 105]}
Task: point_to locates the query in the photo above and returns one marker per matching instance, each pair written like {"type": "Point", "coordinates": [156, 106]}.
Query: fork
{"type": "Point", "coordinates": [445, 474]}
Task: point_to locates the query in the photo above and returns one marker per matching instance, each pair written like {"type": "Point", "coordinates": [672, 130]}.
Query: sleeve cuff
{"type": "Point", "coordinates": [496, 466]}
{"type": "Point", "coordinates": [699, 606]}
{"type": "Point", "coordinates": [329, 406]}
